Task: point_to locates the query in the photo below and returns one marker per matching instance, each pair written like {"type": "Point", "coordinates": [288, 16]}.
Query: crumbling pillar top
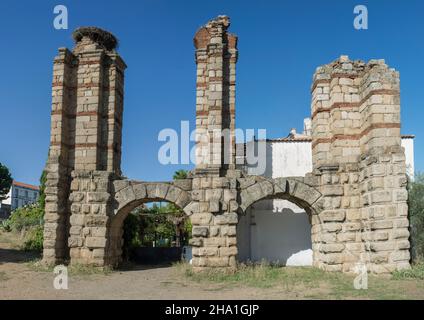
{"type": "Point", "coordinates": [95, 35]}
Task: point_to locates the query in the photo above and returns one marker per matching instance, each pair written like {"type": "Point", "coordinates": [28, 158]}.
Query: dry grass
{"type": "Point", "coordinates": [312, 283]}
{"type": "Point", "coordinates": [73, 270]}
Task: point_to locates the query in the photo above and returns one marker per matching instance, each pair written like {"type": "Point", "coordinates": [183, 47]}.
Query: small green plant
{"type": "Point", "coordinates": [29, 221]}
{"type": "Point", "coordinates": [84, 270]}
{"type": "Point", "coordinates": [416, 216]}
{"type": "Point", "coordinates": [5, 226]}
{"type": "Point", "coordinates": [27, 216]}
{"type": "Point", "coordinates": [3, 276]}
{"type": "Point", "coordinates": [262, 275]}
{"type": "Point", "coordinates": [132, 231]}
{"type": "Point", "coordinates": [416, 272]}
{"type": "Point", "coordinates": [74, 269]}
{"type": "Point", "coordinates": [34, 239]}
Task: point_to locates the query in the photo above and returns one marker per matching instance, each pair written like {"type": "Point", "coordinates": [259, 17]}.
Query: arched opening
{"type": "Point", "coordinates": [276, 231]}
{"type": "Point", "coordinates": [278, 221]}
{"type": "Point", "coordinates": [150, 225]}
{"type": "Point", "coordinates": [152, 233]}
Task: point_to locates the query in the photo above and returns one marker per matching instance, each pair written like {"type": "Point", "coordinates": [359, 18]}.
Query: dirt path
{"type": "Point", "coordinates": [20, 280]}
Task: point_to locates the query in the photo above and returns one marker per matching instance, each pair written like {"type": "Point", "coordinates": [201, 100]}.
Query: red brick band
{"type": "Point", "coordinates": [84, 145]}
{"type": "Point", "coordinates": [355, 136]}
{"type": "Point", "coordinates": [343, 105]}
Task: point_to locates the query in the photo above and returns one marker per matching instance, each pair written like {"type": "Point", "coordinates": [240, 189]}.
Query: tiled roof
{"type": "Point", "coordinates": [25, 185]}
{"type": "Point", "coordinates": [309, 139]}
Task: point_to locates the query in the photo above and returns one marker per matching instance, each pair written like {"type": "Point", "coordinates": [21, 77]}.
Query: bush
{"type": "Point", "coordinates": [27, 216]}
{"type": "Point", "coordinates": [33, 240]}
{"type": "Point", "coordinates": [416, 216]}
{"type": "Point", "coordinates": [5, 225]}
{"type": "Point", "coordinates": [29, 221]}
{"type": "Point", "coordinates": [132, 230]}
{"type": "Point", "coordinates": [416, 272]}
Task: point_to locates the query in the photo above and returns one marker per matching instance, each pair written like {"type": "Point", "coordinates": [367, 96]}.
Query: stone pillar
{"type": "Point", "coordinates": [214, 190]}
{"type": "Point", "coordinates": [85, 149]}
{"type": "Point", "coordinates": [60, 159]}
{"type": "Point", "coordinates": [216, 57]}
{"type": "Point", "coordinates": [214, 218]}
{"type": "Point", "coordinates": [355, 125]}
{"type": "Point", "coordinates": [383, 177]}
{"type": "Point", "coordinates": [99, 106]}
{"type": "Point", "coordinates": [92, 210]}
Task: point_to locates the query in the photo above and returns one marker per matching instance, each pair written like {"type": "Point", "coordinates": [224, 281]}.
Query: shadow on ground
{"type": "Point", "coordinates": [134, 266]}
{"type": "Point", "coordinates": [17, 256]}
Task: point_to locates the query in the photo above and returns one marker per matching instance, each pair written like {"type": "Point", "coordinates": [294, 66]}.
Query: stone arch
{"type": "Point", "coordinates": [133, 195]}
{"type": "Point", "coordinates": [138, 192]}
{"type": "Point", "coordinates": [293, 189]}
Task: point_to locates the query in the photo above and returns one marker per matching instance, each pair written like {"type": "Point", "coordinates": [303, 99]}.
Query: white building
{"type": "Point", "coordinates": [20, 194]}
{"type": "Point", "coordinates": [278, 231]}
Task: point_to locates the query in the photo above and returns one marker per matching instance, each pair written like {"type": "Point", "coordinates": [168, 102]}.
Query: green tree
{"type": "Point", "coordinates": [42, 195]}
{"type": "Point", "coordinates": [180, 174]}
{"type": "Point", "coordinates": [29, 220]}
{"type": "Point", "coordinates": [416, 216]}
{"type": "Point", "coordinates": [5, 181]}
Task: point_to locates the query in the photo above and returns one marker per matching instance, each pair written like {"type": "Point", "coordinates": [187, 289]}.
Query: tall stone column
{"type": "Point", "coordinates": [382, 179]}
{"type": "Point", "coordinates": [355, 125]}
{"type": "Point", "coordinates": [214, 195]}
{"type": "Point", "coordinates": [60, 160]}
{"type": "Point", "coordinates": [85, 151]}
{"type": "Point", "coordinates": [216, 57]}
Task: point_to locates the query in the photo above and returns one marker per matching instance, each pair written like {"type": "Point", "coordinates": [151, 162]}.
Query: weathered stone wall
{"type": "Point", "coordinates": [216, 58]}
{"type": "Point", "coordinates": [60, 161]}
{"type": "Point", "coordinates": [355, 196]}
{"type": "Point", "coordinates": [214, 219]}
{"type": "Point", "coordinates": [358, 158]}
{"type": "Point", "coordinates": [86, 122]}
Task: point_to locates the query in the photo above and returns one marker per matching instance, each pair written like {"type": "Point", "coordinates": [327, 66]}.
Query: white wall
{"type": "Point", "coordinates": [408, 144]}
{"type": "Point", "coordinates": [278, 230]}
{"type": "Point", "coordinates": [277, 237]}
{"type": "Point", "coordinates": [20, 196]}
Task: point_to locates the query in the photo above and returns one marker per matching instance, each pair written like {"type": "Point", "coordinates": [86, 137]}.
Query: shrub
{"type": "Point", "coordinates": [416, 272]}
{"type": "Point", "coordinates": [33, 240]}
{"type": "Point", "coordinates": [5, 225]}
{"type": "Point", "coordinates": [416, 216]}
{"type": "Point", "coordinates": [27, 216]}
{"type": "Point", "coordinates": [132, 230]}
{"type": "Point", "coordinates": [29, 221]}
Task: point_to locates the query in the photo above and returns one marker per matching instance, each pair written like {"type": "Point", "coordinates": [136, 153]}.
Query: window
{"type": "Point", "coordinates": [26, 193]}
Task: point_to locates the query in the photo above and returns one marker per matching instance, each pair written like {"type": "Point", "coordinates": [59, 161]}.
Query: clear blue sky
{"type": "Point", "coordinates": [280, 45]}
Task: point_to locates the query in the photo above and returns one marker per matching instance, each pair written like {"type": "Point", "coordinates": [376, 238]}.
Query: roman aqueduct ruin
{"type": "Point", "coordinates": [356, 195]}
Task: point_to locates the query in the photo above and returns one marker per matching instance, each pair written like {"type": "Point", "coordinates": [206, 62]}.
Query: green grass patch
{"type": "Point", "coordinates": [309, 282]}
{"type": "Point", "coordinates": [3, 276]}
{"type": "Point", "coordinates": [259, 275]}
{"type": "Point", "coordinates": [74, 269]}
{"type": "Point", "coordinates": [80, 269]}
{"type": "Point", "coordinates": [416, 272]}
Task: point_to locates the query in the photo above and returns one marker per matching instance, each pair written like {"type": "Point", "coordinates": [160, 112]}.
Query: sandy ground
{"type": "Point", "coordinates": [21, 280]}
